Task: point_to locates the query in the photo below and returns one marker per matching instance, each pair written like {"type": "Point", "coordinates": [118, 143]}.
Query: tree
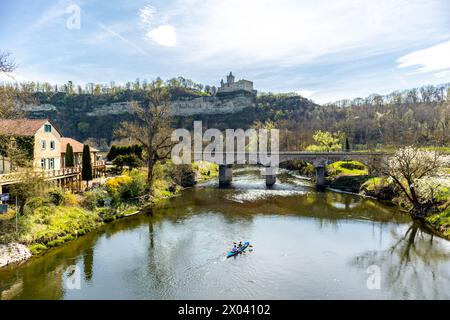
{"type": "Point", "coordinates": [7, 64]}
{"type": "Point", "coordinates": [326, 142]}
{"type": "Point", "coordinates": [17, 153]}
{"type": "Point", "coordinates": [31, 185]}
{"type": "Point", "coordinates": [151, 127]}
{"type": "Point", "coordinates": [411, 169]}
{"type": "Point", "coordinates": [130, 160]}
{"type": "Point", "coordinates": [347, 144]}
{"type": "Point", "coordinates": [68, 157]}
{"type": "Point", "coordinates": [86, 170]}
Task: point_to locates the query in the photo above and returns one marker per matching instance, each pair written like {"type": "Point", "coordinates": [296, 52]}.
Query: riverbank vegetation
{"type": "Point", "coordinates": [413, 178]}
{"type": "Point", "coordinates": [51, 216]}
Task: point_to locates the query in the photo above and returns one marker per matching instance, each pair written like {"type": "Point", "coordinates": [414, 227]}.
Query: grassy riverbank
{"type": "Point", "coordinates": [353, 176]}
{"type": "Point", "coordinates": [53, 217]}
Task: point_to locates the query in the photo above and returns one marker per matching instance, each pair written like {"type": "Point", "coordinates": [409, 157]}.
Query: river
{"type": "Point", "coordinates": [306, 245]}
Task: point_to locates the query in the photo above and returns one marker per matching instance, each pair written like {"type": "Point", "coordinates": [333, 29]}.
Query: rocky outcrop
{"type": "Point", "coordinates": [13, 253]}
{"type": "Point", "coordinates": [181, 106]}
{"type": "Point", "coordinates": [213, 105]}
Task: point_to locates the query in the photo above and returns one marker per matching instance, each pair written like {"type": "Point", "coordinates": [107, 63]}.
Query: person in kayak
{"type": "Point", "coordinates": [240, 244]}
{"type": "Point", "coordinates": [234, 249]}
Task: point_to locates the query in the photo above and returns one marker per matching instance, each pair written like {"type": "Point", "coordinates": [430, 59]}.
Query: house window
{"type": "Point", "coordinates": [43, 164]}
{"type": "Point", "coordinates": [43, 144]}
{"type": "Point", "coordinates": [52, 145]}
{"type": "Point", "coordinates": [51, 163]}
{"type": "Point", "coordinates": [47, 128]}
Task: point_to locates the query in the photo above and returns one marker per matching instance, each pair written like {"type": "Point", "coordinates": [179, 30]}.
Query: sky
{"type": "Point", "coordinates": [325, 50]}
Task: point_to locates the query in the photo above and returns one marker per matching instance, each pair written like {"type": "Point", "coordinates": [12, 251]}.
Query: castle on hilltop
{"type": "Point", "coordinates": [231, 85]}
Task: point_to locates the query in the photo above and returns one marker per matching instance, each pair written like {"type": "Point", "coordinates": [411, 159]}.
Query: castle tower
{"type": "Point", "coordinates": [230, 79]}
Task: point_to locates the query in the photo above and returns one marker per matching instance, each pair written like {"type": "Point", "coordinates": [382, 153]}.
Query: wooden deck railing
{"type": "Point", "coordinates": [46, 174]}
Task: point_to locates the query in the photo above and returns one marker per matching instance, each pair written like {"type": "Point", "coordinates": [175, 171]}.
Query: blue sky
{"type": "Point", "coordinates": [325, 50]}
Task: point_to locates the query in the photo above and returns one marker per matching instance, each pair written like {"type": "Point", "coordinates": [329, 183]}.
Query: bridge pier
{"type": "Point", "coordinates": [320, 176]}
{"type": "Point", "coordinates": [225, 174]}
{"type": "Point", "coordinates": [271, 176]}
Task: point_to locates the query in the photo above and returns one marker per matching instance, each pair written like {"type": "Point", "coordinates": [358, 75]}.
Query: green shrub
{"type": "Point", "coordinates": [35, 203]}
{"type": "Point", "coordinates": [70, 199]}
{"type": "Point", "coordinates": [37, 248]}
{"type": "Point", "coordinates": [95, 198]}
{"type": "Point", "coordinates": [135, 187]}
{"type": "Point", "coordinates": [56, 196]}
{"type": "Point", "coordinates": [129, 160]}
{"type": "Point", "coordinates": [347, 168]}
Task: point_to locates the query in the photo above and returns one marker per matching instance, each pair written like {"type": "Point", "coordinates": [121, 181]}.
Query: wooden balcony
{"type": "Point", "coordinates": [15, 177]}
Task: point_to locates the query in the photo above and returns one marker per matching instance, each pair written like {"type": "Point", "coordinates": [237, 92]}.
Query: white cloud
{"type": "Point", "coordinates": [156, 28]}
{"type": "Point", "coordinates": [436, 58]}
{"type": "Point", "coordinates": [52, 13]}
{"type": "Point", "coordinates": [292, 32]}
{"type": "Point", "coordinates": [306, 93]}
{"type": "Point", "coordinates": [164, 35]}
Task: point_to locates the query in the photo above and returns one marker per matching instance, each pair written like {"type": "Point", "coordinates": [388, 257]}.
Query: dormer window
{"type": "Point", "coordinates": [47, 128]}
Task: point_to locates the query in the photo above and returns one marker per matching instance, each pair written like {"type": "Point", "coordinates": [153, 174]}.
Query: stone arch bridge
{"type": "Point", "coordinates": [318, 159]}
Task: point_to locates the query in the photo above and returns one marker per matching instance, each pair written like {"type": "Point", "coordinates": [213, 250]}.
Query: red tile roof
{"type": "Point", "coordinates": [76, 145]}
{"type": "Point", "coordinates": [23, 127]}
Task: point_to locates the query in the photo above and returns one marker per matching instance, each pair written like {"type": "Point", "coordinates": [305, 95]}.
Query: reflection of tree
{"type": "Point", "coordinates": [411, 266]}
{"type": "Point", "coordinates": [88, 263]}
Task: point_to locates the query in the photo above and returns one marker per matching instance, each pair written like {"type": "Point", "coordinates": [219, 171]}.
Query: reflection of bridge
{"type": "Point", "coordinates": [318, 159]}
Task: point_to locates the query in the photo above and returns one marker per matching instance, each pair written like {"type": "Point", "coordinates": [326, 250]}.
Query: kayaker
{"type": "Point", "coordinates": [240, 244]}
{"type": "Point", "coordinates": [234, 248]}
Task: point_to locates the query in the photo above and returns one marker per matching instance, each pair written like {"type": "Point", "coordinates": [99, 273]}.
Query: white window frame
{"type": "Point", "coordinates": [43, 144]}
{"type": "Point", "coordinates": [43, 163]}
{"type": "Point", "coordinates": [52, 145]}
{"type": "Point", "coordinates": [47, 126]}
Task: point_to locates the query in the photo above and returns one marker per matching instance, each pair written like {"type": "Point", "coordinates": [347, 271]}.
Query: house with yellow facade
{"type": "Point", "coordinates": [44, 142]}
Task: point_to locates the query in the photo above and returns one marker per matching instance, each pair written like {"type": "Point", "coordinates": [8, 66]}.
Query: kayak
{"type": "Point", "coordinates": [239, 250]}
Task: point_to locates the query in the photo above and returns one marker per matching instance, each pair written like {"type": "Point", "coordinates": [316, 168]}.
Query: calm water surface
{"type": "Point", "coordinates": [307, 245]}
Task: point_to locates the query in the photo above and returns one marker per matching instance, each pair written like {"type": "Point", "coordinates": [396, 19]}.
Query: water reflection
{"type": "Point", "coordinates": [307, 245]}
{"type": "Point", "coordinates": [412, 263]}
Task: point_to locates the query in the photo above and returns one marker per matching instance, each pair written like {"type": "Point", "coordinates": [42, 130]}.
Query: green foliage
{"type": "Point", "coordinates": [86, 170]}
{"type": "Point", "coordinates": [130, 160]}
{"type": "Point", "coordinates": [326, 142]}
{"type": "Point", "coordinates": [116, 151]}
{"type": "Point", "coordinates": [83, 127]}
{"type": "Point", "coordinates": [59, 241]}
{"type": "Point", "coordinates": [347, 168]}
{"type": "Point", "coordinates": [68, 156]}
{"type": "Point", "coordinates": [48, 223]}
{"type": "Point", "coordinates": [56, 196]}
{"type": "Point", "coordinates": [37, 248]}
{"type": "Point", "coordinates": [135, 187]}
{"type": "Point", "coordinates": [31, 185]}
{"type": "Point", "coordinates": [441, 221]}
{"type": "Point", "coordinates": [95, 198]}
{"type": "Point", "coordinates": [131, 184]}
{"type": "Point", "coordinates": [379, 188]}
{"type": "Point", "coordinates": [204, 170]}
{"type": "Point", "coordinates": [27, 145]}
{"type": "Point", "coordinates": [70, 199]}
